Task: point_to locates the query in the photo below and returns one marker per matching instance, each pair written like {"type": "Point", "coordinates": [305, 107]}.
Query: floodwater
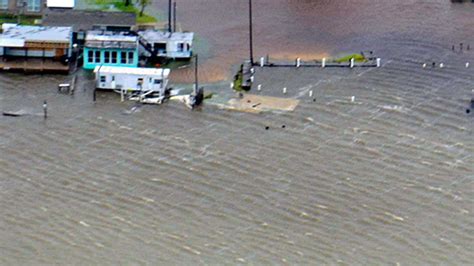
{"type": "Point", "coordinates": [387, 179]}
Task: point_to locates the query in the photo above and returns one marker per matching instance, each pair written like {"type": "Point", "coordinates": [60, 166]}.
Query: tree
{"type": "Point", "coordinates": [143, 4]}
{"type": "Point", "coordinates": [127, 2]}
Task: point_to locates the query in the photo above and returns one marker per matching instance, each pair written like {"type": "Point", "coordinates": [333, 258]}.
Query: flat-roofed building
{"type": "Point", "coordinates": [35, 48]}
{"type": "Point", "coordinates": [105, 48]}
{"type": "Point", "coordinates": [174, 45]}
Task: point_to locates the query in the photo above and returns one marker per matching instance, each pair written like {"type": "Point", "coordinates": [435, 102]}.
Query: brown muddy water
{"type": "Point", "coordinates": [386, 179]}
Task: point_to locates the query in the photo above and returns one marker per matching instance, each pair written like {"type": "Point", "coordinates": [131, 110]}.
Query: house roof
{"type": "Point", "coordinates": [163, 36]}
{"type": "Point", "coordinates": [16, 36]}
{"type": "Point", "coordinates": [164, 72]}
{"type": "Point", "coordinates": [108, 39]}
{"type": "Point", "coordinates": [60, 3]}
{"type": "Point", "coordinates": [86, 20]}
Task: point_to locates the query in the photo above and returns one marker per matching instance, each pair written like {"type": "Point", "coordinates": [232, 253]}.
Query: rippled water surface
{"type": "Point", "coordinates": [385, 179]}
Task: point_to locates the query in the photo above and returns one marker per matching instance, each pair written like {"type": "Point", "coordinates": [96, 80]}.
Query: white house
{"type": "Point", "coordinates": [175, 45]}
{"type": "Point", "coordinates": [131, 79]}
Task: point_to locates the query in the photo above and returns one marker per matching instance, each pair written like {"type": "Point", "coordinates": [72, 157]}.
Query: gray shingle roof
{"type": "Point", "coordinates": [85, 20]}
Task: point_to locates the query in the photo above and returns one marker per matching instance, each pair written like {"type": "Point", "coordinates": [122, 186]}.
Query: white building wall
{"type": "Point", "coordinates": [128, 82]}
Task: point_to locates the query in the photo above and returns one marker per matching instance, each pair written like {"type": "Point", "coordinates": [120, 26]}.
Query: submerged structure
{"type": "Point", "coordinates": [107, 48]}
{"type": "Point", "coordinates": [35, 48]}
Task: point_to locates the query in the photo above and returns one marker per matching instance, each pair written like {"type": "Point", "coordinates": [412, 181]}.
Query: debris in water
{"type": "Point", "coordinates": [84, 224]}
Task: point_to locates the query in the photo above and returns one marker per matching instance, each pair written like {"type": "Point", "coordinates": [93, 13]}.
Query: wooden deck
{"type": "Point", "coordinates": [33, 65]}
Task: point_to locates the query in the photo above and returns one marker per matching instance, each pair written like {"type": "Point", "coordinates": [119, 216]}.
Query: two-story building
{"type": "Point", "coordinates": [106, 48]}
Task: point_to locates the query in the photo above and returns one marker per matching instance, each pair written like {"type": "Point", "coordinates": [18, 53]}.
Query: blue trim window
{"type": "Point", "coordinates": [90, 58]}
{"type": "Point", "coordinates": [97, 56]}
{"type": "Point", "coordinates": [107, 57]}
{"type": "Point", "coordinates": [123, 57]}
{"type": "Point", "coordinates": [114, 57]}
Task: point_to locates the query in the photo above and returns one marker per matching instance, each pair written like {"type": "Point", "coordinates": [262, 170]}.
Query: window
{"type": "Point", "coordinates": [90, 57]}
{"type": "Point", "coordinates": [106, 57]}
{"type": "Point", "coordinates": [157, 81]}
{"type": "Point", "coordinates": [103, 79]}
{"type": "Point", "coordinates": [34, 5]}
{"type": "Point", "coordinates": [123, 57]}
{"type": "Point", "coordinates": [140, 83]}
{"type": "Point", "coordinates": [180, 47]}
{"type": "Point", "coordinates": [130, 57]}
{"type": "Point", "coordinates": [114, 57]}
{"type": "Point", "coordinates": [160, 47]}
{"type": "Point", "coordinates": [3, 4]}
{"type": "Point", "coordinates": [97, 56]}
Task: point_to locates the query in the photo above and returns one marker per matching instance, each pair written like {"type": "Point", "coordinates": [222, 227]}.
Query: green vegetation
{"type": "Point", "coordinates": [24, 19]}
{"type": "Point", "coordinates": [357, 58]}
{"type": "Point", "coordinates": [238, 79]}
{"type": "Point", "coordinates": [120, 5]}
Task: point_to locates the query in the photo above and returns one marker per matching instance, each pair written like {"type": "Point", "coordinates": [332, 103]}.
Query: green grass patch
{"type": "Point", "coordinates": [347, 58]}
{"type": "Point", "coordinates": [120, 5]}
{"type": "Point", "coordinates": [24, 19]}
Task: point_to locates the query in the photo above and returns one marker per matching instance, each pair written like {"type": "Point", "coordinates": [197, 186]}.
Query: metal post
{"type": "Point", "coordinates": [196, 75]}
{"type": "Point", "coordinates": [250, 32]}
{"type": "Point", "coordinates": [174, 17]}
{"type": "Point", "coordinates": [45, 109]}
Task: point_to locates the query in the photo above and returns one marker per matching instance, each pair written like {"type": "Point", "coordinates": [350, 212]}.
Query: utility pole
{"type": "Point", "coordinates": [169, 16]}
{"type": "Point", "coordinates": [250, 32]}
{"type": "Point", "coordinates": [196, 75]}
{"type": "Point", "coordinates": [174, 16]}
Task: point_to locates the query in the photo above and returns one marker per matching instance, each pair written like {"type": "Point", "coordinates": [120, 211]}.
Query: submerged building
{"type": "Point", "coordinates": [35, 48]}
{"type": "Point", "coordinates": [106, 48]}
